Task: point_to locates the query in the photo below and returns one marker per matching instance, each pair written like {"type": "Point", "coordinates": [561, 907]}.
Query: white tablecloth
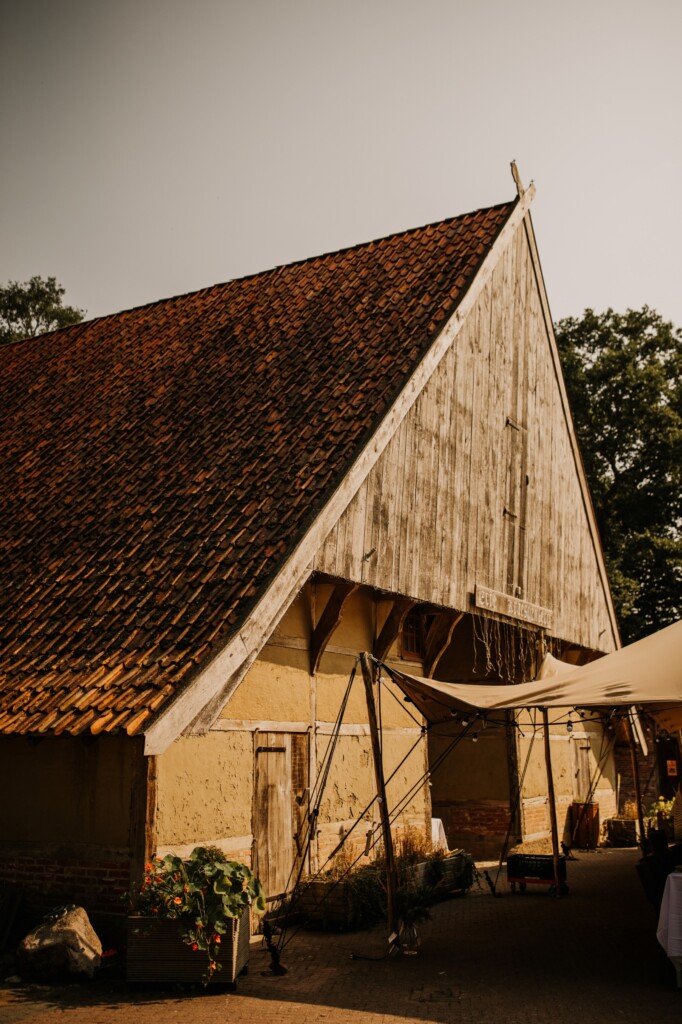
{"type": "Point", "coordinates": [669, 931]}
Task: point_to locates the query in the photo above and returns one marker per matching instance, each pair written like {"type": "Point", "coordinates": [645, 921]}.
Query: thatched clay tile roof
{"type": "Point", "coordinates": [157, 466]}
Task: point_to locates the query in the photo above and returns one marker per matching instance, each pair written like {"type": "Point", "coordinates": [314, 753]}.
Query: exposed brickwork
{"type": "Point", "coordinates": [535, 818]}
{"type": "Point", "coordinates": [479, 827]}
{"type": "Point", "coordinates": [46, 881]}
{"type": "Point", "coordinates": [648, 773]}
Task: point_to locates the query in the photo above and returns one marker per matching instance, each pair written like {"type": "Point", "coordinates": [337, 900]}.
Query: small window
{"type": "Point", "coordinates": [412, 636]}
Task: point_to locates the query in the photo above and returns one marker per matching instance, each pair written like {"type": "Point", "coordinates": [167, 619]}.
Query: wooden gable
{"type": "Point", "coordinates": [481, 489]}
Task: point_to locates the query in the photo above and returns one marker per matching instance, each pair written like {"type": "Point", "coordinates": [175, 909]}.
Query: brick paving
{"type": "Point", "coordinates": [521, 959]}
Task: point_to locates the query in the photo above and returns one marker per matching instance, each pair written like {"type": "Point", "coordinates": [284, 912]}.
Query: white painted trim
{"type": "Point", "coordinates": [250, 725]}
{"type": "Point", "coordinates": [200, 704]}
{"type": "Point", "coordinates": [322, 728]}
{"type": "Point", "coordinates": [228, 846]}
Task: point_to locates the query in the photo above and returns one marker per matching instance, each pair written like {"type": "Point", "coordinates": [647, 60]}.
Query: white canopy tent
{"type": "Point", "coordinates": [647, 673]}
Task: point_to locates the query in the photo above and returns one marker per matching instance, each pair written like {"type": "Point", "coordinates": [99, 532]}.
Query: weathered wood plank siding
{"type": "Point", "coordinates": [479, 483]}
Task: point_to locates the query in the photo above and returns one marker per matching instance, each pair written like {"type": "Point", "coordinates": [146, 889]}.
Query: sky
{"type": "Point", "coordinates": [152, 147]}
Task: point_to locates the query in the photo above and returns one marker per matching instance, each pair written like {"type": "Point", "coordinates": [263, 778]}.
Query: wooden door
{"type": "Point", "coordinates": [281, 774]}
{"type": "Point", "coordinates": [582, 768]}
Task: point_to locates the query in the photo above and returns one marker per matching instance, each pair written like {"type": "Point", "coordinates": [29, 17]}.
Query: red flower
{"type": "Point", "coordinates": [216, 939]}
{"type": "Point", "coordinates": [194, 945]}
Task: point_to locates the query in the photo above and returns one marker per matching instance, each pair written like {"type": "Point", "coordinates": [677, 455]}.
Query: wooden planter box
{"type": "Point", "coordinates": [157, 954]}
{"type": "Point", "coordinates": [452, 875]}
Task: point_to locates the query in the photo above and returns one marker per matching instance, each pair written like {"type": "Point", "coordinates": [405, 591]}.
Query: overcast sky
{"type": "Point", "coordinates": [151, 147]}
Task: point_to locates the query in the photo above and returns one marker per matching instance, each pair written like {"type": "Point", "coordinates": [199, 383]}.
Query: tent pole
{"type": "Point", "coordinates": [552, 804]}
{"type": "Point", "coordinates": [635, 778]}
{"type": "Point", "coordinates": [369, 676]}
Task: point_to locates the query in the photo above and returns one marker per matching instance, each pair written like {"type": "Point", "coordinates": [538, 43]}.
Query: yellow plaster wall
{"type": "Point", "coordinates": [396, 747]}
{"type": "Point", "coordinates": [563, 765]}
{"type": "Point", "coordinates": [331, 682]}
{"type": "Point", "coordinates": [276, 688]}
{"type": "Point", "coordinates": [352, 785]}
{"type": "Point", "coordinates": [66, 789]}
{"type": "Point", "coordinates": [205, 788]}
{"type": "Point", "coordinates": [296, 621]}
{"type": "Point", "coordinates": [472, 771]}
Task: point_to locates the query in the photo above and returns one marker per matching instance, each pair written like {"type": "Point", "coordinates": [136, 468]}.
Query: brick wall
{"type": "Point", "coordinates": [477, 826]}
{"type": "Point", "coordinates": [648, 773]}
{"type": "Point", "coordinates": [94, 879]}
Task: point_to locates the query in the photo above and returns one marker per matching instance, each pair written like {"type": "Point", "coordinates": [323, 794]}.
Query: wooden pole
{"type": "Point", "coordinates": [552, 804]}
{"type": "Point", "coordinates": [369, 676]}
{"type": "Point", "coordinates": [638, 789]}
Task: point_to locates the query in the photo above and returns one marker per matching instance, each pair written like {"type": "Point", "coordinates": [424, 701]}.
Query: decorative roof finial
{"type": "Point", "coordinates": [517, 178]}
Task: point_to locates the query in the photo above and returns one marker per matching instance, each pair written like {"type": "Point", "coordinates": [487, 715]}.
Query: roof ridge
{"type": "Point", "coordinates": [270, 270]}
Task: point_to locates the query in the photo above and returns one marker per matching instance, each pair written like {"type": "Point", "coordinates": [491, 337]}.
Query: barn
{"type": "Point", "coordinates": [211, 504]}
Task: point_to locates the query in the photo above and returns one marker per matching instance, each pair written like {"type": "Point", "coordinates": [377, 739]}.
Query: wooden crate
{"type": "Point", "coordinates": [157, 954]}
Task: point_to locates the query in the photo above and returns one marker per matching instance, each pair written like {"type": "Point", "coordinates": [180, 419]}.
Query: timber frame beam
{"type": "Point", "coordinates": [391, 629]}
{"type": "Point", "coordinates": [328, 622]}
{"type": "Point", "coordinates": [438, 639]}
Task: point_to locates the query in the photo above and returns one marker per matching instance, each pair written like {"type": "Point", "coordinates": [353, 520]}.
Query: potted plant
{"type": "Point", "coordinates": [661, 811]}
{"type": "Point", "coordinates": [187, 908]}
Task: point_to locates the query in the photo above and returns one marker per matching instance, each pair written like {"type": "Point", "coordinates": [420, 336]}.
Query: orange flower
{"type": "Point", "coordinates": [148, 867]}
{"type": "Point", "coordinates": [216, 939]}
{"type": "Point", "coordinates": [177, 900]}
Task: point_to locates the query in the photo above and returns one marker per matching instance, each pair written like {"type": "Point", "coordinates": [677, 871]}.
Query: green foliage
{"type": "Point", "coordinates": [34, 307]}
{"type": "Point", "coordinates": [367, 896]}
{"type": "Point", "coordinates": [424, 878]}
{"type": "Point", "coordinates": [623, 374]}
{"type": "Point", "coordinates": [203, 893]}
{"type": "Point", "coordinates": [661, 806]}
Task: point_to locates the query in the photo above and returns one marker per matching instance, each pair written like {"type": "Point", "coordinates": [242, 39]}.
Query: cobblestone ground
{"type": "Point", "coordinates": [519, 959]}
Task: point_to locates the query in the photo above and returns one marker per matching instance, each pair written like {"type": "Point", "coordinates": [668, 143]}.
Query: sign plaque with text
{"type": "Point", "coordinates": [512, 607]}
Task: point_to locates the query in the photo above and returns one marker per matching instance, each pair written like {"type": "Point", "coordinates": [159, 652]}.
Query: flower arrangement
{"type": "Point", "coordinates": [203, 893]}
{"type": "Point", "coordinates": [661, 806]}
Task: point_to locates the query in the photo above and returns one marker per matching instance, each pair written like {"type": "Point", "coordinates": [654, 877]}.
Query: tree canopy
{"type": "Point", "coordinates": [623, 374]}
{"type": "Point", "coordinates": [34, 307]}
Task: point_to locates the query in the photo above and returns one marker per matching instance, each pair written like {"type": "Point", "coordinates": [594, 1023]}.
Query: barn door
{"type": "Point", "coordinates": [281, 772]}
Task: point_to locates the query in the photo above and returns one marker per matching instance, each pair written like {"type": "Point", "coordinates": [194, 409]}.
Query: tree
{"type": "Point", "coordinates": [33, 308]}
{"type": "Point", "coordinates": [623, 374]}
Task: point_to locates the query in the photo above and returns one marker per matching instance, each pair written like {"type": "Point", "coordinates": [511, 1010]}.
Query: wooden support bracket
{"type": "Point", "coordinates": [328, 621]}
{"type": "Point", "coordinates": [438, 639]}
{"type": "Point", "coordinates": [392, 627]}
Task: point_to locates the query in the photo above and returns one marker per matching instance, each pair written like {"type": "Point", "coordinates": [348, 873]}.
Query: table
{"type": "Point", "coordinates": [669, 931]}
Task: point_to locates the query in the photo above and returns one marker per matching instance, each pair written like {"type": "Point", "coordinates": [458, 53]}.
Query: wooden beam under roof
{"type": "Point", "coordinates": [392, 627]}
{"type": "Point", "coordinates": [328, 622]}
{"type": "Point", "coordinates": [438, 639]}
